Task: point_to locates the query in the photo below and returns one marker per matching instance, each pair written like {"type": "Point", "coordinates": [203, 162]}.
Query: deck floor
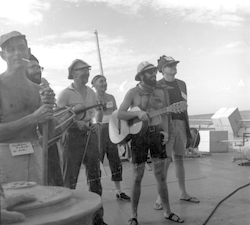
{"type": "Point", "coordinates": [210, 178]}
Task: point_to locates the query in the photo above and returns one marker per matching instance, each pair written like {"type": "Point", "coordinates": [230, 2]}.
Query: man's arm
{"type": "Point", "coordinates": [114, 103]}
{"type": "Point", "coordinates": [123, 114]}
{"type": "Point", "coordinates": [10, 130]}
{"type": "Point", "coordinates": [164, 117]}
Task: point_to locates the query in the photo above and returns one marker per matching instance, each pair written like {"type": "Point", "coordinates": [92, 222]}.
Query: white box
{"type": "Point", "coordinates": [211, 141]}
{"type": "Point", "coordinates": [216, 118]}
{"type": "Point", "coordinates": [230, 121]}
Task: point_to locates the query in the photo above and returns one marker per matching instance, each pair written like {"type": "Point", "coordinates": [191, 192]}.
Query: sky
{"type": "Point", "coordinates": [210, 38]}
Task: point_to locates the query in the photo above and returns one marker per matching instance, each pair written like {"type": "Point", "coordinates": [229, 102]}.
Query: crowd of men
{"type": "Point", "coordinates": [26, 106]}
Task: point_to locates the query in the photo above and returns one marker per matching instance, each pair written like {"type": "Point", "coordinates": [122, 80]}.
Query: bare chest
{"type": "Point", "coordinates": [17, 102]}
{"type": "Point", "coordinates": [148, 102]}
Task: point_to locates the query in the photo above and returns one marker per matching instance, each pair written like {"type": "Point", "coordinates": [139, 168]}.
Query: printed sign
{"type": "Point", "coordinates": [21, 148]}
{"type": "Point", "coordinates": [109, 104]}
{"type": "Point", "coordinates": [184, 95]}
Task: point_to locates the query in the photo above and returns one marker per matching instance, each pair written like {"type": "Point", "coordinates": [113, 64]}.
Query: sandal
{"type": "Point", "coordinates": [158, 206]}
{"type": "Point", "coordinates": [173, 217]}
{"type": "Point", "coordinates": [133, 221]}
{"type": "Point", "coordinates": [191, 199]}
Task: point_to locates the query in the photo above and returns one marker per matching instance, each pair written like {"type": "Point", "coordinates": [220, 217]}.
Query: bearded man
{"type": "Point", "coordinates": [147, 98]}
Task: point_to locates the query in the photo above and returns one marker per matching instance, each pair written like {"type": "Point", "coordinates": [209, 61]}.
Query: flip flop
{"type": "Point", "coordinates": [191, 199]}
{"type": "Point", "coordinates": [158, 206]}
{"type": "Point", "coordinates": [133, 221]}
{"type": "Point", "coordinates": [173, 217]}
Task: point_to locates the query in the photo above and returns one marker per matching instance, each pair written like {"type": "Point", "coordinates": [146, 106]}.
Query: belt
{"type": "Point", "coordinates": [178, 119]}
{"type": "Point", "coordinates": [153, 128]}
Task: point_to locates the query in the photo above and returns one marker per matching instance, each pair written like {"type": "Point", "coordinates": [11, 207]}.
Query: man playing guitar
{"type": "Point", "coordinates": [147, 98]}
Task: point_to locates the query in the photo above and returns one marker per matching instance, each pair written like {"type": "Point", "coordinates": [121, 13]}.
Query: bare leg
{"type": "Point", "coordinates": [180, 175]}
{"type": "Point", "coordinates": [160, 175]}
{"type": "Point", "coordinates": [166, 166]}
{"type": "Point", "coordinates": [117, 185]}
{"type": "Point", "coordinates": [138, 172]}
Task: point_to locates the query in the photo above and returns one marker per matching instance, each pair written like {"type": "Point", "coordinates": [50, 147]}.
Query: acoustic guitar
{"type": "Point", "coordinates": [120, 131]}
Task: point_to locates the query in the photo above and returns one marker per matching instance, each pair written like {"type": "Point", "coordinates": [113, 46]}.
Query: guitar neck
{"type": "Point", "coordinates": [158, 112]}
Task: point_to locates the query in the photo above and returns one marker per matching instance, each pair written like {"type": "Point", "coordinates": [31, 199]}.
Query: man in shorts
{"type": "Point", "coordinates": [179, 125]}
{"type": "Point", "coordinates": [99, 82]}
{"type": "Point", "coordinates": [147, 98]}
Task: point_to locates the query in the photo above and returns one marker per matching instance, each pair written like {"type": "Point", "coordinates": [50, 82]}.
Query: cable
{"type": "Point", "coordinates": [210, 215]}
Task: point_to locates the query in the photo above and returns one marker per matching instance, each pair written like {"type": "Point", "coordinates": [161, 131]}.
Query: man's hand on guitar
{"type": "Point", "coordinates": [165, 137]}
{"type": "Point", "coordinates": [143, 116]}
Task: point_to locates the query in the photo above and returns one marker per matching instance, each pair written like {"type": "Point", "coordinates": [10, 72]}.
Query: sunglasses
{"type": "Point", "coordinates": [171, 65]}
{"type": "Point", "coordinates": [151, 71]}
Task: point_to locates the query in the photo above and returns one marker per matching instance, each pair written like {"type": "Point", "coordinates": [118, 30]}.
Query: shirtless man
{"type": "Point", "coordinates": [147, 98]}
{"type": "Point", "coordinates": [24, 106]}
{"type": "Point", "coordinates": [107, 147]}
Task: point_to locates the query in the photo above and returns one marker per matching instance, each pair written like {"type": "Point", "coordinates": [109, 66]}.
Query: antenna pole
{"type": "Point", "coordinates": [99, 53]}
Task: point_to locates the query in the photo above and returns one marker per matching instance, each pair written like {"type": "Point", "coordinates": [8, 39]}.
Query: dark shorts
{"type": "Point", "coordinates": [149, 138]}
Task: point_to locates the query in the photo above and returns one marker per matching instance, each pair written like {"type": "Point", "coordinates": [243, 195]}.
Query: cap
{"type": "Point", "coordinates": [96, 78]}
{"type": "Point", "coordinates": [73, 64]}
{"type": "Point", "coordinates": [8, 36]}
{"type": "Point", "coordinates": [143, 66]}
{"type": "Point", "coordinates": [32, 57]}
{"type": "Point", "coordinates": [165, 61]}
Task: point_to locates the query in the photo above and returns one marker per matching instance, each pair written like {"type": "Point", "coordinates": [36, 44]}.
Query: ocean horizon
{"type": "Point", "coordinates": [245, 114]}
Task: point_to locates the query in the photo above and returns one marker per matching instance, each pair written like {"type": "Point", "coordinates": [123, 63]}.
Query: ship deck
{"type": "Point", "coordinates": [210, 178]}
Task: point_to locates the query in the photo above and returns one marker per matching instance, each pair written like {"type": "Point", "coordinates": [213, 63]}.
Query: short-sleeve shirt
{"type": "Point", "coordinates": [70, 96]}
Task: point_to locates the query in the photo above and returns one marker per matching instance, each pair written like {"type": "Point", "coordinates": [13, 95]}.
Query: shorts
{"type": "Point", "coordinates": [27, 167]}
{"type": "Point", "coordinates": [178, 139]}
{"type": "Point", "coordinates": [149, 138]}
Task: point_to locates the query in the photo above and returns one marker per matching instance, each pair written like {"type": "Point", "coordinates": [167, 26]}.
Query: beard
{"type": "Point", "coordinates": [35, 77]}
{"type": "Point", "coordinates": [150, 82]}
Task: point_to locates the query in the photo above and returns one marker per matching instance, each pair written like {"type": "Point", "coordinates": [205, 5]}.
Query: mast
{"type": "Point", "coordinates": [99, 53]}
